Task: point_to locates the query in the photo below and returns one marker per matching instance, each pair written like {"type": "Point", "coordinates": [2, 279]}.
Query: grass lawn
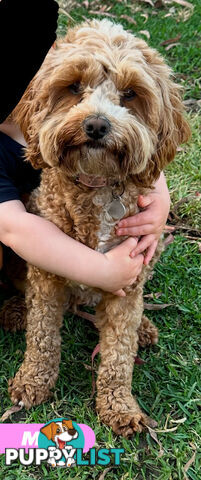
{"type": "Point", "coordinates": [168, 384]}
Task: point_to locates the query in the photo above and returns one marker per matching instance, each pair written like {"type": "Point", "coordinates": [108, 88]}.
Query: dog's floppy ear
{"type": "Point", "coordinates": [68, 424]}
{"type": "Point", "coordinates": [47, 430]}
{"type": "Point", "coordinates": [174, 128]}
{"type": "Point", "coordinates": [28, 114]}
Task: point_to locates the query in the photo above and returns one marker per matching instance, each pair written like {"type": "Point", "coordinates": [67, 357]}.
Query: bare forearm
{"type": "Point", "coordinates": [42, 244]}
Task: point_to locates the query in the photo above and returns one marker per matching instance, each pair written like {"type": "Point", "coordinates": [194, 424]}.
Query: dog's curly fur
{"type": "Point", "coordinates": [97, 70]}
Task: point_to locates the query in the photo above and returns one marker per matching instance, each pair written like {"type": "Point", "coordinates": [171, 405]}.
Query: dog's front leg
{"type": "Point", "coordinates": [118, 320]}
{"type": "Point", "coordinates": [38, 373]}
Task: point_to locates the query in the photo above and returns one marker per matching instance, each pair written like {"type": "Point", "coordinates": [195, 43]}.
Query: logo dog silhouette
{"type": "Point", "coordinates": [60, 433]}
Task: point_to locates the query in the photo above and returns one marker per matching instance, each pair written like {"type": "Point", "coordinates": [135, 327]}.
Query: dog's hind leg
{"type": "Point", "coordinates": [118, 320]}
{"type": "Point", "coordinates": [38, 373]}
{"type": "Point", "coordinates": [147, 333]}
{"type": "Point", "coordinates": [13, 315]}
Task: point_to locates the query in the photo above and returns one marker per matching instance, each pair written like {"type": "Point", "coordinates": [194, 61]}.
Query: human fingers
{"type": "Point", "coordinates": [137, 267]}
{"type": "Point", "coordinates": [126, 247]}
{"type": "Point", "coordinates": [144, 201]}
{"type": "Point", "coordinates": [119, 293]}
{"type": "Point", "coordinates": [137, 231]}
{"type": "Point", "coordinates": [150, 252]}
{"type": "Point", "coordinates": [143, 244]}
{"type": "Point", "coordinates": [141, 218]}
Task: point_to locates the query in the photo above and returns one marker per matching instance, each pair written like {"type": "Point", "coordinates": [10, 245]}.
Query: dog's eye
{"type": "Point", "coordinates": [58, 430]}
{"type": "Point", "coordinates": [64, 429]}
{"type": "Point", "coordinates": [129, 94]}
{"type": "Point", "coordinates": [75, 88]}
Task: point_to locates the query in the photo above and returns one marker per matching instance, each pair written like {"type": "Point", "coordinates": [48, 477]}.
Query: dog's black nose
{"type": "Point", "coordinates": [71, 431]}
{"type": "Point", "coordinates": [96, 127]}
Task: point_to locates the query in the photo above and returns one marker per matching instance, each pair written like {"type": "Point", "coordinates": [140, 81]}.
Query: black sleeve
{"type": "Point", "coordinates": [8, 190]}
{"type": "Point", "coordinates": [27, 31]}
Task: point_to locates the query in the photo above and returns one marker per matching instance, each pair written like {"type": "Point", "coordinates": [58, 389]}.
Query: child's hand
{"type": "Point", "coordinates": [121, 270]}
{"type": "Point", "coordinates": [149, 223]}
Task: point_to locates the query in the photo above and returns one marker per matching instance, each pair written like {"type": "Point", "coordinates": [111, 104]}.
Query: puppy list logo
{"type": "Point", "coordinates": [60, 443]}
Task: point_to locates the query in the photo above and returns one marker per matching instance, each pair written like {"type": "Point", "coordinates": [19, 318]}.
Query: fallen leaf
{"type": "Point", "coordinates": [148, 1]}
{"type": "Point", "coordinates": [10, 411]}
{"type": "Point", "coordinates": [103, 8]}
{"type": "Point", "coordinates": [184, 3]}
{"type": "Point", "coordinates": [129, 19]}
{"type": "Point", "coordinates": [166, 430]}
{"type": "Point", "coordinates": [180, 420]}
{"type": "Point", "coordinates": [157, 306]}
{"type": "Point", "coordinates": [86, 4]}
{"type": "Point", "coordinates": [86, 19]}
{"type": "Point", "coordinates": [192, 231]}
{"type": "Point", "coordinates": [106, 14]}
{"type": "Point", "coordinates": [153, 295]}
{"type": "Point", "coordinates": [188, 464]}
{"type": "Point", "coordinates": [67, 14]}
{"type": "Point", "coordinates": [171, 40]}
{"type": "Point", "coordinates": [102, 476]}
{"type": "Point", "coordinates": [139, 361]}
{"type": "Point", "coordinates": [190, 237]}
{"type": "Point", "coordinates": [146, 33]}
{"type": "Point", "coordinates": [87, 367]}
{"type": "Point", "coordinates": [153, 435]}
{"type": "Point", "coordinates": [184, 15]}
{"type": "Point", "coordinates": [171, 46]}
{"type": "Point", "coordinates": [86, 316]}
{"type": "Point", "coordinates": [145, 15]}
{"type": "Point", "coordinates": [168, 240]}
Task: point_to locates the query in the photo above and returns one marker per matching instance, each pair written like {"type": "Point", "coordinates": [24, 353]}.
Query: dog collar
{"type": "Point", "coordinates": [116, 208]}
{"type": "Point", "coordinates": [92, 181]}
{"type": "Point", "coordinates": [95, 181]}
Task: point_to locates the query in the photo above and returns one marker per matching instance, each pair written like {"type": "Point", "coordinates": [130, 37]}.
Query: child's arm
{"type": "Point", "coordinates": [150, 222]}
{"type": "Point", "coordinates": [42, 244]}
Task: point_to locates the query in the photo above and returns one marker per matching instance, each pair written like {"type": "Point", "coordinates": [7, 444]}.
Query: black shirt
{"type": "Point", "coordinates": [17, 176]}
{"type": "Point", "coordinates": [27, 31]}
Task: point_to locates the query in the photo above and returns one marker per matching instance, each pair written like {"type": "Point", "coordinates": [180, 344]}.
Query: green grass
{"type": "Point", "coordinates": [168, 385]}
{"type": "Point", "coordinates": [184, 178]}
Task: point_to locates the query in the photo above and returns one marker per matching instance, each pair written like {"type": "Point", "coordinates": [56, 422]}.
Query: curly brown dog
{"type": "Point", "coordinates": [101, 118]}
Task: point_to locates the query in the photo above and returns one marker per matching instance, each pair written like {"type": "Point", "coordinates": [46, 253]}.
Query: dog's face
{"type": "Point", "coordinates": [103, 103]}
{"type": "Point", "coordinates": [60, 432]}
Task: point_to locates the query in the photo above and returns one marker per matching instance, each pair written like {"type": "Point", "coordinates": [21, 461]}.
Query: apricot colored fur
{"type": "Point", "coordinates": [102, 62]}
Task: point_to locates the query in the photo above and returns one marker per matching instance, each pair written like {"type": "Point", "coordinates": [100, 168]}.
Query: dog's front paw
{"type": "Point", "coordinates": [123, 414]}
{"type": "Point", "coordinates": [70, 462]}
{"type": "Point", "coordinates": [127, 424]}
{"type": "Point", "coordinates": [26, 389]}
